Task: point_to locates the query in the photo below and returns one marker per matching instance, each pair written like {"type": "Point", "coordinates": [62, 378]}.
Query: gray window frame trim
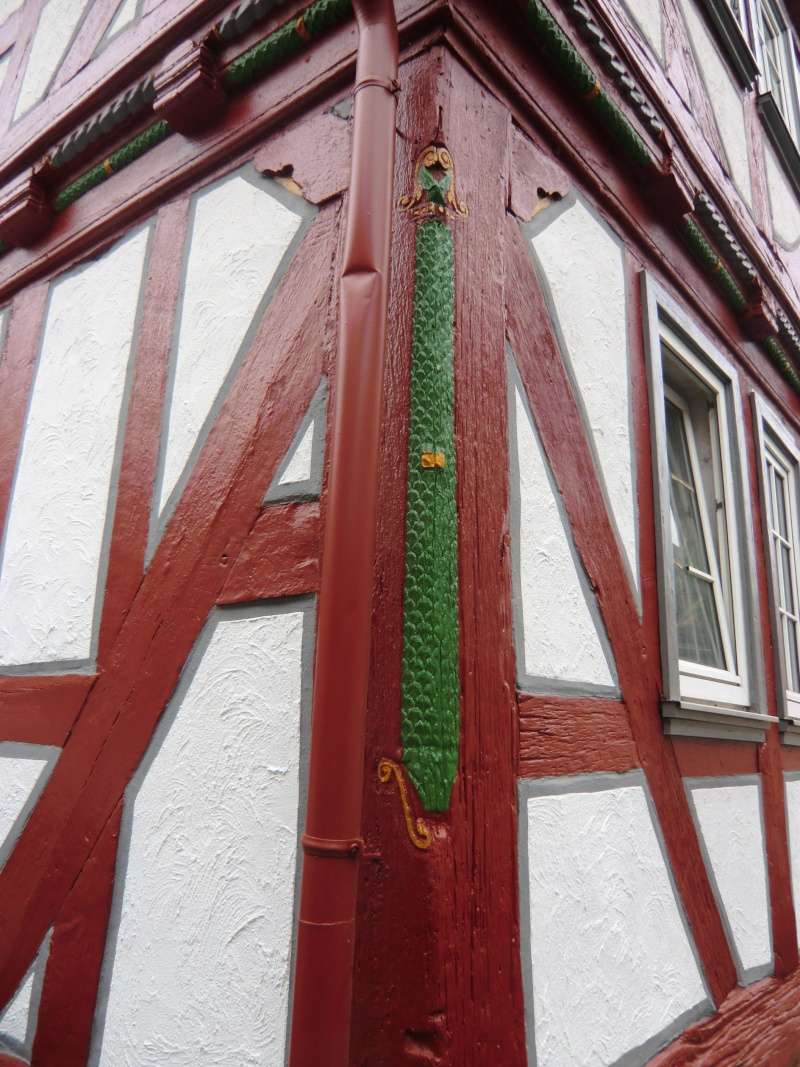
{"type": "Point", "coordinates": [680, 716]}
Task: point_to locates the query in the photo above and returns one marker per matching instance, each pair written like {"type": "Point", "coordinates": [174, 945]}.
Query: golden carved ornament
{"type": "Point", "coordinates": [418, 831]}
{"type": "Point", "coordinates": [434, 194]}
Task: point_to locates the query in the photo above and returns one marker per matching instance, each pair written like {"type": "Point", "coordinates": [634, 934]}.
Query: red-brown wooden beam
{"type": "Point", "coordinates": [758, 1026]}
{"type": "Point", "coordinates": [17, 368]}
{"type": "Point", "coordinates": [563, 435]}
{"type": "Point", "coordinates": [134, 498]}
{"type": "Point", "coordinates": [280, 556]}
{"type": "Point", "coordinates": [698, 758]}
{"type": "Point", "coordinates": [41, 709]}
{"type": "Point", "coordinates": [72, 975]}
{"type": "Point", "coordinates": [562, 735]}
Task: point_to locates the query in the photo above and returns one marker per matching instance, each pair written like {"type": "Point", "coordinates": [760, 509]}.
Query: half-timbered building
{"type": "Point", "coordinates": [399, 533]}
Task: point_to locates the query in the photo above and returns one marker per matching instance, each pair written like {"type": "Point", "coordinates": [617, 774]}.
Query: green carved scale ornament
{"type": "Point", "coordinates": [431, 683]}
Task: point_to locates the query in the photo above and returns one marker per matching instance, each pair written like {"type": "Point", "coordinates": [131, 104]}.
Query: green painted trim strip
{"type": "Point", "coordinates": [708, 258]}
{"type": "Point", "coordinates": [431, 700]}
{"type": "Point", "coordinates": [565, 61]}
{"type": "Point", "coordinates": [125, 154]}
{"type": "Point", "coordinates": [777, 354]}
{"type": "Point", "coordinates": [289, 38]}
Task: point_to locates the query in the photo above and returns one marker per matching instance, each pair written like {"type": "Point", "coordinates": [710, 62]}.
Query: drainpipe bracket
{"type": "Point", "coordinates": [331, 848]}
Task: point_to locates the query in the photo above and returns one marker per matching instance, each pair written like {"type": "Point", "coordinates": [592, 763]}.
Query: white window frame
{"type": "Point", "coordinates": [698, 700]}
{"type": "Point", "coordinates": [742, 19]}
{"type": "Point", "coordinates": [777, 444]}
{"type": "Point", "coordinates": [787, 57]}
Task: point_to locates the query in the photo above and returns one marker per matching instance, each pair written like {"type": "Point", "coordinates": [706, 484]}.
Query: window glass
{"type": "Point", "coordinates": [776, 59]}
{"type": "Point", "coordinates": [699, 635]}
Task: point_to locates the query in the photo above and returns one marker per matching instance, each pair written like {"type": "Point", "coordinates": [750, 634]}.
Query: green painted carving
{"type": "Point", "coordinates": [565, 61]}
{"type": "Point", "coordinates": [777, 354]}
{"type": "Point", "coordinates": [431, 684]}
{"type": "Point", "coordinates": [708, 258]}
{"type": "Point", "coordinates": [284, 42]}
{"type": "Point", "coordinates": [124, 155]}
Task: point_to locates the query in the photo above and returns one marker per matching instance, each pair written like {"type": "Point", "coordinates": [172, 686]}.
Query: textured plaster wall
{"type": "Point", "coordinates": [299, 474]}
{"type": "Point", "coordinates": [18, 1018]}
{"type": "Point", "coordinates": [126, 13]}
{"type": "Point", "coordinates": [559, 636]}
{"type": "Point", "coordinates": [647, 13]}
{"type": "Point", "coordinates": [583, 266]}
{"type": "Point", "coordinates": [793, 817]}
{"type": "Point", "coordinates": [57, 23]}
{"type": "Point", "coordinates": [53, 546]}
{"type": "Point", "coordinates": [298, 469]}
{"type": "Point", "coordinates": [609, 959]}
{"type": "Point", "coordinates": [24, 770]}
{"type": "Point", "coordinates": [729, 819]}
{"type": "Point", "coordinates": [724, 96]}
{"type": "Point", "coordinates": [199, 969]}
{"type": "Point", "coordinates": [782, 200]}
{"type": "Point", "coordinates": [238, 238]}
{"type": "Point", "coordinates": [5, 59]}
{"type": "Point", "coordinates": [8, 7]}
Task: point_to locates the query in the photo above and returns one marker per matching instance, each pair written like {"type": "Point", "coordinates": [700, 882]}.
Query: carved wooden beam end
{"type": "Point", "coordinates": [672, 195]}
{"type": "Point", "coordinates": [759, 321]}
{"type": "Point", "coordinates": [189, 93]}
{"type": "Point", "coordinates": [25, 211]}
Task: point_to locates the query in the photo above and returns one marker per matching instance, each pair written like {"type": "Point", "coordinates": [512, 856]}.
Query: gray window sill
{"type": "Point", "coordinates": [790, 732]}
{"type": "Point", "coordinates": [685, 719]}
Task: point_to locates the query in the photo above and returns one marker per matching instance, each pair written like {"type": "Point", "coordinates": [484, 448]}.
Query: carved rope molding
{"type": "Point", "coordinates": [192, 86]}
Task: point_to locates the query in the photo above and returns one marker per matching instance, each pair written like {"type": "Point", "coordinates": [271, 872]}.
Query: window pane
{"type": "Point", "coordinates": [691, 551]}
{"type": "Point", "coordinates": [699, 636]}
{"type": "Point", "coordinates": [679, 465]}
{"type": "Point", "coordinates": [780, 501]}
{"type": "Point", "coordinates": [786, 570]}
{"type": "Point", "coordinates": [699, 639]}
{"type": "Point", "coordinates": [687, 530]}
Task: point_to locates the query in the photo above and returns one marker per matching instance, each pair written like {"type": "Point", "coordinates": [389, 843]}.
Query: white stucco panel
{"type": "Point", "coordinates": [583, 265]}
{"type": "Point", "coordinates": [53, 549]}
{"type": "Point", "coordinates": [647, 14]}
{"type": "Point", "coordinates": [57, 23]}
{"type": "Point", "coordinates": [5, 59]}
{"type": "Point", "coordinates": [783, 204]}
{"type": "Point", "coordinates": [14, 1020]}
{"type": "Point", "coordinates": [298, 469]}
{"type": "Point", "coordinates": [724, 97]}
{"type": "Point", "coordinates": [238, 237]}
{"type": "Point", "coordinates": [199, 969]}
{"type": "Point", "coordinates": [125, 14]}
{"type": "Point", "coordinates": [559, 637]}
{"type": "Point", "coordinates": [24, 770]}
{"type": "Point", "coordinates": [732, 835]}
{"type": "Point", "coordinates": [8, 7]}
{"type": "Point", "coordinates": [793, 819]}
{"type": "Point", "coordinates": [611, 965]}
{"type": "Point", "coordinates": [18, 1018]}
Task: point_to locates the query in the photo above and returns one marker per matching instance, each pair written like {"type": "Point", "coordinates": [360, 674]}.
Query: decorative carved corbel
{"type": "Point", "coordinates": [434, 193]}
{"type": "Point", "coordinates": [25, 211]}
{"type": "Point", "coordinates": [758, 320]}
{"type": "Point", "coordinates": [189, 93]}
{"type": "Point", "coordinates": [671, 192]}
